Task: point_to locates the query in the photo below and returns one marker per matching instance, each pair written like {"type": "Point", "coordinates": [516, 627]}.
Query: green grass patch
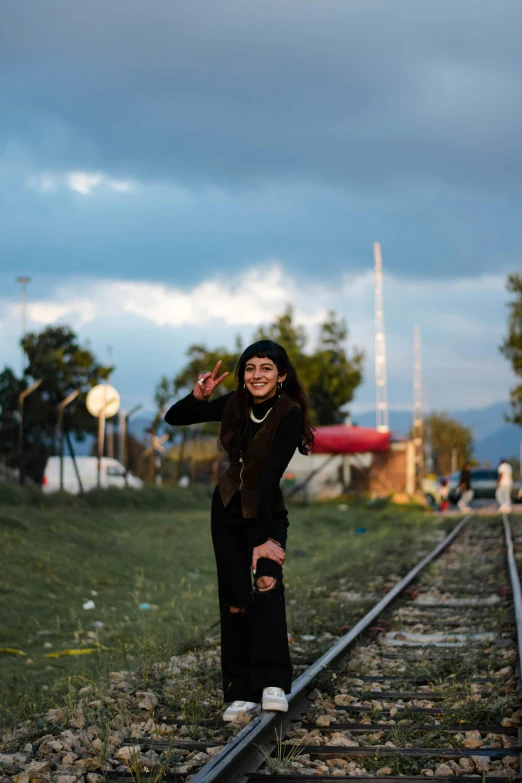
{"type": "Point", "coordinates": [145, 560]}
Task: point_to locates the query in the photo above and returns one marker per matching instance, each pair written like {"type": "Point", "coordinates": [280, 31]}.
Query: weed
{"type": "Point", "coordinates": [452, 664]}
{"type": "Point", "coordinates": [142, 772]}
{"type": "Point", "coordinates": [70, 699]}
{"type": "Point", "coordinates": [403, 736]}
{"type": "Point", "coordinates": [194, 701]}
{"type": "Point", "coordinates": [371, 763]}
{"type": "Point", "coordinates": [400, 765]}
{"type": "Point", "coordinates": [284, 753]}
{"type": "Point", "coordinates": [488, 710]}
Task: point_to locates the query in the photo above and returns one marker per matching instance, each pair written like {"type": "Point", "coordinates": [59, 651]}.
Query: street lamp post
{"type": "Point", "coordinates": [61, 408]}
{"type": "Point", "coordinates": [21, 454]}
{"type": "Point", "coordinates": [101, 435]}
{"type": "Point", "coordinates": [454, 458]}
{"type": "Point", "coordinates": [109, 428]}
{"type": "Point", "coordinates": [124, 438]}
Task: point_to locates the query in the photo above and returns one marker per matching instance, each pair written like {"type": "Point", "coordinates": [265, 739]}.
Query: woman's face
{"type": "Point", "coordinates": [261, 378]}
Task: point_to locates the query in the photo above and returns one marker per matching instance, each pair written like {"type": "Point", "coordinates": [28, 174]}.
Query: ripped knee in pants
{"type": "Point", "coordinates": [234, 610]}
{"type": "Point", "coordinates": [265, 584]}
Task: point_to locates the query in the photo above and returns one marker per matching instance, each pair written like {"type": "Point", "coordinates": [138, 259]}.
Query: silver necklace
{"type": "Point", "coordinates": [258, 421]}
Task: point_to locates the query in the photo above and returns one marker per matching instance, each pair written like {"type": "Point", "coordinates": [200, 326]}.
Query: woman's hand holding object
{"type": "Point", "coordinates": [270, 550]}
{"type": "Point", "coordinates": [207, 382]}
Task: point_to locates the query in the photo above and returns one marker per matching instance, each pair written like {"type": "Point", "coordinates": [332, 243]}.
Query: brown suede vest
{"type": "Point", "coordinates": [245, 469]}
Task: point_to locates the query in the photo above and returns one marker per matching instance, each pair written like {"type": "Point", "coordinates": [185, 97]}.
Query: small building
{"type": "Point", "coordinates": [349, 458]}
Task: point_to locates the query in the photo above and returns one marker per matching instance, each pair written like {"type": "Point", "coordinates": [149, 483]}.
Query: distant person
{"type": "Point", "coordinates": [466, 492]}
{"type": "Point", "coordinates": [504, 486]}
{"type": "Point", "coordinates": [263, 422]}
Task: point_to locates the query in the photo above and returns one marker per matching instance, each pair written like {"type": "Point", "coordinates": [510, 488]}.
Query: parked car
{"type": "Point", "coordinates": [431, 487]}
{"type": "Point", "coordinates": [483, 483]}
{"type": "Point", "coordinates": [112, 475]}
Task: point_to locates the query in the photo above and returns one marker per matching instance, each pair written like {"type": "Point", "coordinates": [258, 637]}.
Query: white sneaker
{"type": "Point", "coordinates": [274, 699]}
{"type": "Point", "coordinates": [237, 709]}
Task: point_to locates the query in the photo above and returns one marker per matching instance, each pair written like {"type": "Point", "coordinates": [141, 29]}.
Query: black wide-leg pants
{"type": "Point", "coordinates": [254, 641]}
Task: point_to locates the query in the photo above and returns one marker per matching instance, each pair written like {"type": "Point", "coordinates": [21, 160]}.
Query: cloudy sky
{"type": "Point", "coordinates": [176, 172]}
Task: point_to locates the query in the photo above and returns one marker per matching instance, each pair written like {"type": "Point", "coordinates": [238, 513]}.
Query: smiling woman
{"type": "Point", "coordinates": [262, 424]}
{"type": "Point", "coordinates": [261, 379]}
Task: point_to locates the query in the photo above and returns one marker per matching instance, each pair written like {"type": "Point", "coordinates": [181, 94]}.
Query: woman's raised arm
{"type": "Point", "coordinates": [207, 382]}
{"type": "Point", "coordinates": [196, 408]}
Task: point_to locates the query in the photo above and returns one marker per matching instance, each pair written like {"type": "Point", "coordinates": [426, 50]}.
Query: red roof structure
{"type": "Point", "coordinates": [341, 439]}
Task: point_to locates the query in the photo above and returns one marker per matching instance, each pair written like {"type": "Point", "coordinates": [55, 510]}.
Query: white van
{"type": "Point", "coordinates": [112, 475]}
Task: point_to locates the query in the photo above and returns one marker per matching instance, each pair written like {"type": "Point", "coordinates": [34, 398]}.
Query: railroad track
{"type": "Point", "coordinates": [426, 684]}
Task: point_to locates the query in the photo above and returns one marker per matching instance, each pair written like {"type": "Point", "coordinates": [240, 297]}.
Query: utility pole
{"type": "Point", "coordinates": [380, 347]}
{"type": "Point", "coordinates": [454, 458]}
{"type": "Point", "coordinates": [103, 402]}
{"type": "Point", "coordinates": [156, 445]}
{"type": "Point", "coordinates": [21, 452]}
{"type": "Point", "coordinates": [24, 281]}
{"type": "Point", "coordinates": [60, 432]}
{"type": "Point", "coordinates": [417, 403]}
{"type": "Point", "coordinates": [122, 433]}
{"type": "Point", "coordinates": [124, 439]}
{"type": "Point", "coordinates": [110, 427]}
{"type": "Point", "coordinates": [428, 436]}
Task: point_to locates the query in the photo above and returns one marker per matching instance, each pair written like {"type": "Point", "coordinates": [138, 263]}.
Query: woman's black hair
{"type": "Point", "coordinates": [292, 387]}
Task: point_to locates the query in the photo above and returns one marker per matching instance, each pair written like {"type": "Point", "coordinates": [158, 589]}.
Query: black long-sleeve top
{"type": "Point", "coordinates": [190, 410]}
{"type": "Point", "coordinates": [465, 478]}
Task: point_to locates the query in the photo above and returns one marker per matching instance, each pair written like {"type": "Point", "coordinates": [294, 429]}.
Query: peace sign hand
{"type": "Point", "coordinates": [207, 382]}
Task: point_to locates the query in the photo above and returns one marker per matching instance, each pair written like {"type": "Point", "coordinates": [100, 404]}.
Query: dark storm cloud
{"type": "Point", "coordinates": [357, 92]}
{"type": "Point", "coordinates": [320, 125]}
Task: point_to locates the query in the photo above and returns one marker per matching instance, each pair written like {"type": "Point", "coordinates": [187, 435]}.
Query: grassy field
{"type": "Point", "coordinates": [144, 563]}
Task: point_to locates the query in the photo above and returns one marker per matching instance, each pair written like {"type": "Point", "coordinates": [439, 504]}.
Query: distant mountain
{"type": "Point", "coordinates": [400, 421]}
{"type": "Point", "coordinates": [505, 442]}
{"type": "Point", "coordinates": [493, 437]}
{"type": "Point", "coordinates": [484, 421]}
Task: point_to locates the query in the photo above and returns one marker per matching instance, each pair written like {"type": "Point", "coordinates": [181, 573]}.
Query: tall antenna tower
{"type": "Point", "coordinates": [429, 462]}
{"type": "Point", "coordinates": [417, 401]}
{"type": "Point", "coordinates": [380, 347]}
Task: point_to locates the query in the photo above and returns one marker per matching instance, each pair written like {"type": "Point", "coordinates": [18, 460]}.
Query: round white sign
{"type": "Point", "coordinates": [103, 400]}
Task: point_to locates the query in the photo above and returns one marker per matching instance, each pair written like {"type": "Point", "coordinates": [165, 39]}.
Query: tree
{"type": "Point", "coordinates": [54, 356]}
{"type": "Point", "coordinates": [10, 388]}
{"type": "Point", "coordinates": [328, 373]}
{"type": "Point", "coordinates": [288, 334]}
{"type": "Point", "coordinates": [448, 434]}
{"type": "Point", "coordinates": [512, 345]}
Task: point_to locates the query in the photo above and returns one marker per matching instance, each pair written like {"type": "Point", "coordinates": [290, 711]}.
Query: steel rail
{"type": "Point", "coordinates": [228, 761]}
{"type": "Point", "coordinates": [515, 583]}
